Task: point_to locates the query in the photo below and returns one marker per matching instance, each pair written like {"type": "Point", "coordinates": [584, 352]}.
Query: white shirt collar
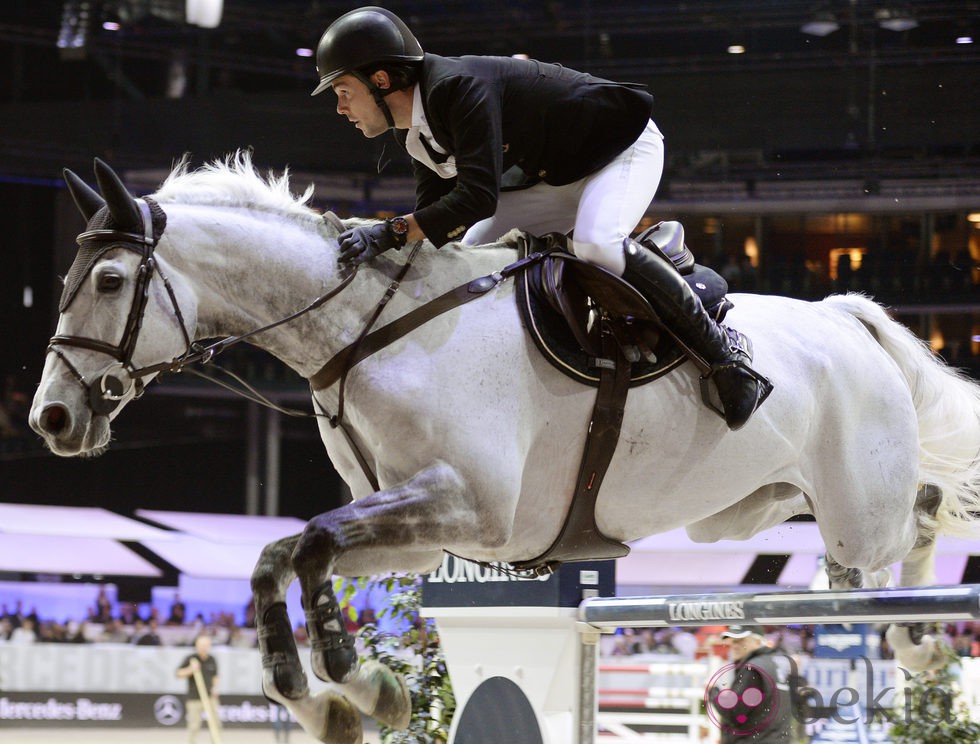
{"type": "Point", "coordinates": [418, 113]}
{"type": "Point", "coordinates": [420, 123]}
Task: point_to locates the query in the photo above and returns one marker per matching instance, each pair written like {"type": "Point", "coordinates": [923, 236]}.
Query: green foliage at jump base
{"type": "Point", "coordinates": [415, 654]}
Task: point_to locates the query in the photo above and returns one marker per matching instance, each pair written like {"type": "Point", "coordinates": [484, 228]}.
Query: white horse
{"type": "Point", "coordinates": [475, 439]}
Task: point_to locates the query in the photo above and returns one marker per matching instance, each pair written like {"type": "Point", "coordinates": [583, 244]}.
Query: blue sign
{"type": "Point", "coordinates": [846, 642]}
{"type": "Point", "coordinates": [461, 583]}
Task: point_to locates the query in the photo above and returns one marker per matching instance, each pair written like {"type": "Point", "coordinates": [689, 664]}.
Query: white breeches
{"type": "Point", "coordinates": [602, 209]}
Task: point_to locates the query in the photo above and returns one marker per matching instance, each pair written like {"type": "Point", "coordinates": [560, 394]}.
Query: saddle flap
{"type": "Point", "coordinates": [608, 291]}
{"type": "Point", "coordinates": [571, 300]}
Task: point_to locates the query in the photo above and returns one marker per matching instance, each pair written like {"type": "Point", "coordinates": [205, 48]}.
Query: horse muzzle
{"type": "Point", "coordinates": [69, 429]}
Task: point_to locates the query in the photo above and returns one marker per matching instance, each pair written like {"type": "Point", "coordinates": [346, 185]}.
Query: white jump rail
{"type": "Point", "coordinates": [897, 605]}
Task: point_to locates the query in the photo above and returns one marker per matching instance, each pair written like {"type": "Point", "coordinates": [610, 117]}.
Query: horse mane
{"type": "Point", "coordinates": [233, 181]}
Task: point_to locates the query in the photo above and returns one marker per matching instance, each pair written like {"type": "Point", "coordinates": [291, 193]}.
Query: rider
{"type": "Point", "coordinates": [499, 143]}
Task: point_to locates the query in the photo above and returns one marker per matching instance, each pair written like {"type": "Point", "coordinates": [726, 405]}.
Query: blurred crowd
{"type": "Point", "coordinates": [122, 622]}
{"type": "Point", "coordinates": [698, 643]}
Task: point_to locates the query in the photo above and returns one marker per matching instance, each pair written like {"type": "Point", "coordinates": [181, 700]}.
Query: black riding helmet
{"type": "Point", "coordinates": [361, 38]}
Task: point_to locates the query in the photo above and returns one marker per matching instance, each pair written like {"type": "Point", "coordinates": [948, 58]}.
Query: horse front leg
{"type": "Point", "coordinates": [329, 717]}
{"type": "Point", "coordinates": [914, 648]}
{"type": "Point", "coordinates": [402, 528]}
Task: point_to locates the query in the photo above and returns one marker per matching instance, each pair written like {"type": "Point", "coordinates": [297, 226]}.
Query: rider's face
{"type": "Point", "coordinates": [355, 101]}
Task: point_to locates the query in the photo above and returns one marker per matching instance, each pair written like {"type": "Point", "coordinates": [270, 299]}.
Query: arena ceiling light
{"type": "Point", "coordinates": [73, 33]}
{"type": "Point", "coordinates": [896, 19]}
{"type": "Point", "coordinates": [822, 23]}
{"type": "Point", "coordinates": [204, 13]}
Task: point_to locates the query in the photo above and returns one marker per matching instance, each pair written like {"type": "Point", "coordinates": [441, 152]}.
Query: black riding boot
{"type": "Point", "coordinates": [727, 352]}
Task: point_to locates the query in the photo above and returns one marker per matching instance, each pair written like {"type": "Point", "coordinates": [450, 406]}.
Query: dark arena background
{"type": "Point", "coordinates": [812, 147]}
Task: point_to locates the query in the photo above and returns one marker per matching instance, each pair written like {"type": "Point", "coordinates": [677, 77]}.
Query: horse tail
{"type": "Point", "coordinates": [947, 405]}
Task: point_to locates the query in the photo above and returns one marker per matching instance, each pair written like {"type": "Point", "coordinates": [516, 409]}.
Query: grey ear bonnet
{"type": "Point", "coordinates": [91, 250]}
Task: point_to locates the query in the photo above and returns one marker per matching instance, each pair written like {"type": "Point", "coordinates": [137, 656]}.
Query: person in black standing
{"type": "Point", "coordinates": [201, 660]}
{"type": "Point", "coordinates": [751, 699]}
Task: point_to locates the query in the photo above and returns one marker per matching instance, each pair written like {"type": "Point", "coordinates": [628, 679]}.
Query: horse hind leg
{"type": "Point", "coordinates": [915, 650]}
{"type": "Point", "coordinates": [842, 577]}
{"type": "Point", "coordinates": [328, 716]}
{"type": "Point", "coordinates": [918, 567]}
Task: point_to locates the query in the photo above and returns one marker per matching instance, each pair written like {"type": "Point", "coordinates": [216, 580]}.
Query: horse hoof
{"type": "Point", "coordinates": [342, 722]}
{"type": "Point", "coordinates": [329, 718]}
{"type": "Point", "coordinates": [290, 681]}
{"type": "Point", "coordinates": [914, 656]}
{"type": "Point", "coordinates": [284, 680]}
{"type": "Point", "coordinates": [382, 694]}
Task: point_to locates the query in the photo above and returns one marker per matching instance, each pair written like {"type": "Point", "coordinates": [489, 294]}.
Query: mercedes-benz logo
{"type": "Point", "coordinates": [168, 710]}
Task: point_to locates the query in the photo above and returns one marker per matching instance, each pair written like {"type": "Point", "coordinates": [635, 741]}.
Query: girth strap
{"type": "Point", "coordinates": [580, 538]}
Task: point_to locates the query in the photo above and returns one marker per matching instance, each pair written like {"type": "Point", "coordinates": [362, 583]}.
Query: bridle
{"type": "Point", "coordinates": [109, 389]}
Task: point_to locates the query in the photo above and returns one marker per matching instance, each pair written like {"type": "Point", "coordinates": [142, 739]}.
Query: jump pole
{"type": "Point", "coordinates": [898, 605]}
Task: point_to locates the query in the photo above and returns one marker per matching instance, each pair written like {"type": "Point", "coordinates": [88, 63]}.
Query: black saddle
{"type": "Point", "coordinates": [568, 304]}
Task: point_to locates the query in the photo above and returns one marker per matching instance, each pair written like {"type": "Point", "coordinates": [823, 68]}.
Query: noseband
{"type": "Point", "coordinates": [109, 389]}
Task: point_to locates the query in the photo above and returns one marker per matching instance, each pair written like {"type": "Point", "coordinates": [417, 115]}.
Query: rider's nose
{"type": "Point", "coordinates": [54, 419]}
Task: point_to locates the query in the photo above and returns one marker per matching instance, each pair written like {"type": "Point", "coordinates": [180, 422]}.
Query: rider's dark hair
{"type": "Point", "coordinates": [402, 75]}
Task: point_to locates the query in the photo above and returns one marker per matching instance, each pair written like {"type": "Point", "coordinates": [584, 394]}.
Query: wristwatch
{"type": "Point", "coordinates": [399, 228]}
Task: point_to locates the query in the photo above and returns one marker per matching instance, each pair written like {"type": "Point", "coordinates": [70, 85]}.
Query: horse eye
{"type": "Point", "coordinates": [110, 282]}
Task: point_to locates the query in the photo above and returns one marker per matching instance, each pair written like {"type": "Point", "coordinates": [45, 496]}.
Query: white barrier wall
{"type": "Point", "coordinates": [111, 667]}
{"type": "Point", "coordinates": [125, 686]}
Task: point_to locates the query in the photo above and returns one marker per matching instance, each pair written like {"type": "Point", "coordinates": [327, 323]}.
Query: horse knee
{"type": "Point", "coordinates": [315, 550]}
{"type": "Point", "coordinates": [273, 571]}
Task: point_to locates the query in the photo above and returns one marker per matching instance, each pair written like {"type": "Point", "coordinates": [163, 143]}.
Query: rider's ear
{"type": "Point", "coordinates": [381, 79]}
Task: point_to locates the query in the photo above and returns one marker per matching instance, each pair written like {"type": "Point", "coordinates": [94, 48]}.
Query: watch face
{"type": "Point", "coordinates": [399, 225]}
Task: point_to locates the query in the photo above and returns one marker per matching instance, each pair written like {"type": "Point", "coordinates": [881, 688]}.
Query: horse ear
{"type": "Point", "coordinates": [122, 205]}
{"type": "Point", "coordinates": [86, 198]}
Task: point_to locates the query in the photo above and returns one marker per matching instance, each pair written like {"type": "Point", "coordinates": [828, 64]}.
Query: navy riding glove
{"type": "Point", "coordinates": [361, 244]}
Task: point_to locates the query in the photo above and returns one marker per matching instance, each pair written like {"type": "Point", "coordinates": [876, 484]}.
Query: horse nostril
{"type": "Point", "coordinates": [53, 419]}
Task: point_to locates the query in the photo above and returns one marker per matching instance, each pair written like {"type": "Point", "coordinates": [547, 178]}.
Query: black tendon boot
{"type": "Point", "coordinates": [726, 352]}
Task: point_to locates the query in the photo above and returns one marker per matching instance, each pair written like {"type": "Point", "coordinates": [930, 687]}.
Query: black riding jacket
{"type": "Point", "coordinates": [492, 113]}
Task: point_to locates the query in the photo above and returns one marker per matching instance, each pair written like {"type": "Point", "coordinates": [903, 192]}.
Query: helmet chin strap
{"type": "Point", "coordinates": [379, 96]}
